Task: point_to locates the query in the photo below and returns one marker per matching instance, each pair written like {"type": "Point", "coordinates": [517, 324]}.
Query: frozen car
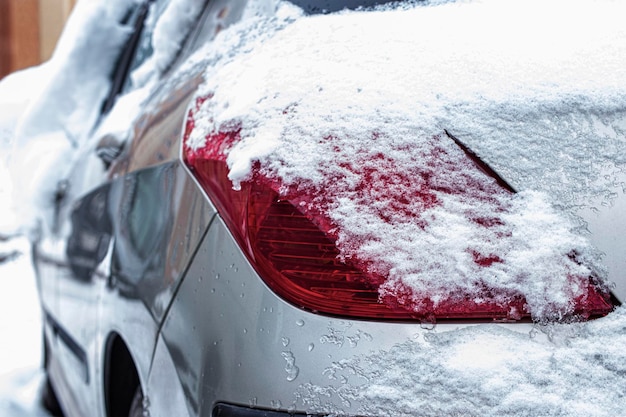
{"type": "Point", "coordinates": [293, 208]}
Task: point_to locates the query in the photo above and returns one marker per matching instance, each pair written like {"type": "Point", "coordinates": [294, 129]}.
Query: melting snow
{"type": "Point", "coordinates": [485, 371]}
{"type": "Point", "coordinates": [351, 109]}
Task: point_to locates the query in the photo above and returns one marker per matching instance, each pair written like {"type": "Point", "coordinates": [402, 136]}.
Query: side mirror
{"type": "Point", "coordinates": [109, 148]}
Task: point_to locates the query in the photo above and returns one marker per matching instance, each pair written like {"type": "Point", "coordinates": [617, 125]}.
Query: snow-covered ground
{"type": "Point", "coordinates": [20, 326]}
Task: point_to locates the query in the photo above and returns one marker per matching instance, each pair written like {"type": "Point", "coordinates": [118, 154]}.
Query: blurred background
{"type": "Point", "coordinates": [29, 30]}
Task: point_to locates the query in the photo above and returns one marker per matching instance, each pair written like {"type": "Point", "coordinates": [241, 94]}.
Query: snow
{"type": "Point", "coordinates": [16, 93]}
{"type": "Point", "coordinates": [340, 71]}
{"type": "Point", "coordinates": [172, 29]}
{"type": "Point", "coordinates": [56, 122]}
{"type": "Point", "coordinates": [20, 320]}
{"type": "Point", "coordinates": [66, 101]}
{"type": "Point", "coordinates": [20, 323]}
{"type": "Point", "coordinates": [487, 370]}
{"type": "Point", "coordinates": [60, 122]}
{"type": "Point", "coordinates": [169, 24]}
{"type": "Point", "coordinates": [335, 108]}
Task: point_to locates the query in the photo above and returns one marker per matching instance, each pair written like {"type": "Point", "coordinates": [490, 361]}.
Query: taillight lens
{"type": "Point", "coordinates": [296, 256]}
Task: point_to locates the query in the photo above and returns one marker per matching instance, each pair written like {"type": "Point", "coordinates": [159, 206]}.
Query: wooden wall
{"type": "Point", "coordinates": [29, 30]}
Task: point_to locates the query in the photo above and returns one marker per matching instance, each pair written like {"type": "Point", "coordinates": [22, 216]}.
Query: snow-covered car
{"type": "Point", "coordinates": [333, 207]}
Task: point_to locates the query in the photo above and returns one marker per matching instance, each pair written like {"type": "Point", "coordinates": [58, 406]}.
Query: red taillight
{"type": "Point", "coordinates": [293, 256]}
{"type": "Point", "coordinates": [301, 263]}
{"type": "Point", "coordinates": [295, 253]}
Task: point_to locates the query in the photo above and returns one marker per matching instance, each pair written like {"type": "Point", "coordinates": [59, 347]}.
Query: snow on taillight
{"type": "Point", "coordinates": [324, 262]}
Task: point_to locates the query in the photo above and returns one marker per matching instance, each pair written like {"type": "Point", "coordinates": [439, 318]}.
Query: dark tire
{"type": "Point", "coordinates": [49, 399]}
{"type": "Point", "coordinates": [136, 406]}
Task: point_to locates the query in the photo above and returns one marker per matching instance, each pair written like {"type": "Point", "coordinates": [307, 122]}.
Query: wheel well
{"type": "Point", "coordinates": [120, 377]}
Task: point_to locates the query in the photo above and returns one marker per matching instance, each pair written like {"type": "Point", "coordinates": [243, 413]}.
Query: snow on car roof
{"type": "Point", "coordinates": [536, 89]}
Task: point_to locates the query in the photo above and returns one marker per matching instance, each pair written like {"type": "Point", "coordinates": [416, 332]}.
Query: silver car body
{"type": "Point", "coordinates": [138, 256]}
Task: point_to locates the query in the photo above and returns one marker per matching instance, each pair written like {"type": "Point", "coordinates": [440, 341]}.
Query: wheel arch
{"type": "Point", "coordinates": [121, 377]}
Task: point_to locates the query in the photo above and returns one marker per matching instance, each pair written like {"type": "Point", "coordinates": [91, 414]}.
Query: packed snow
{"type": "Point", "coordinates": [351, 108]}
